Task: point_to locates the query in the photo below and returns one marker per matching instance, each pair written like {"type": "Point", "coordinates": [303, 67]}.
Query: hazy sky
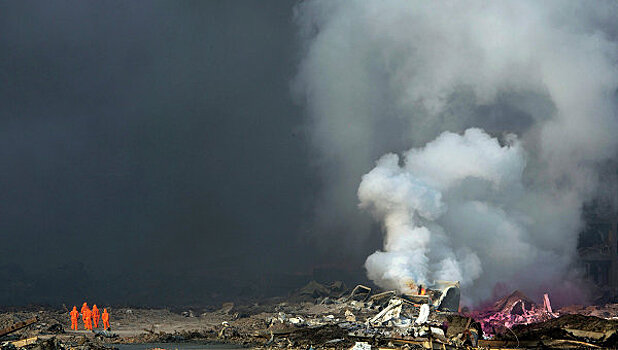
{"type": "Point", "coordinates": [154, 136]}
{"type": "Point", "coordinates": [189, 151]}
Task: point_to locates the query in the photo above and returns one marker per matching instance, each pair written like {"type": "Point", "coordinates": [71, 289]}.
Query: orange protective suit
{"type": "Point", "coordinates": [88, 319]}
{"type": "Point", "coordinates": [105, 319]}
{"type": "Point", "coordinates": [96, 315]}
{"type": "Point", "coordinates": [74, 316]}
{"type": "Point", "coordinates": [84, 308]}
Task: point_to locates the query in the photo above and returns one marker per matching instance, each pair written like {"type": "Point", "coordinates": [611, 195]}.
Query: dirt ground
{"type": "Point", "coordinates": [124, 322]}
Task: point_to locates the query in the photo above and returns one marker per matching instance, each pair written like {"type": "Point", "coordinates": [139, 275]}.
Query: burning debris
{"type": "Point", "coordinates": [444, 296]}
{"type": "Point", "coordinates": [374, 318]}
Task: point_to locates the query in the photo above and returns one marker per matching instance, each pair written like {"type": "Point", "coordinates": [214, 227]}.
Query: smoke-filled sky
{"type": "Point", "coordinates": [170, 151]}
{"type": "Point", "coordinates": [536, 84]}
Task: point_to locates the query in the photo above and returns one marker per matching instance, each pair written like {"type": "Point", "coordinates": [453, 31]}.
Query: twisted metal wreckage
{"type": "Point", "coordinates": [430, 318]}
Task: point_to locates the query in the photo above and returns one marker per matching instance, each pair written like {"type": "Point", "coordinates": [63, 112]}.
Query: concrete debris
{"type": "Point", "coordinates": [349, 316]}
{"type": "Point", "coordinates": [449, 296]}
{"type": "Point", "coordinates": [54, 343]}
{"type": "Point", "coordinates": [392, 311]}
{"type": "Point", "coordinates": [356, 319]}
{"type": "Point", "coordinates": [424, 319]}
{"type": "Point", "coordinates": [55, 328]}
{"type": "Point", "coordinates": [443, 296]}
{"type": "Point", "coordinates": [423, 315]}
{"type": "Point", "coordinates": [296, 321]}
{"type": "Point", "coordinates": [105, 333]}
{"type": "Point", "coordinates": [24, 342]}
{"type": "Point", "coordinates": [515, 303]}
{"type": "Point", "coordinates": [360, 292]}
{"type": "Point", "coordinates": [514, 309]}
{"type": "Point", "coordinates": [188, 313]}
{"type": "Point", "coordinates": [361, 345]}
{"type": "Point", "coordinates": [589, 329]}
{"type": "Point", "coordinates": [547, 304]}
{"type": "Point", "coordinates": [379, 319]}
{"type": "Point", "coordinates": [594, 336]}
{"type": "Point", "coordinates": [18, 325]}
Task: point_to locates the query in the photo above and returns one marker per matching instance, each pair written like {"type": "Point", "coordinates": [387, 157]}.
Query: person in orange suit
{"type": "Point", "coordinates": [96, 315]}
{"type": "Point", "coordinates": [105, 319]}
{"type": "Point", "coordinates": [74, 317]}
{"type": "Point", "coordinates": [88, 319]}
{"type": "Point", "coordinates": [84, 308]}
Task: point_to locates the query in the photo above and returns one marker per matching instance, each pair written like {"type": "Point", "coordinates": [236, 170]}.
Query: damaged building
{"type": "Point", "coordinates": [598, 250]}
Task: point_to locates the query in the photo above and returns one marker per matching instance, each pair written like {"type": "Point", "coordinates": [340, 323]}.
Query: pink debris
{"type": "Point", "coordinates": [513, 310]}
{"type": "Point", "coordinates": [546, 303]}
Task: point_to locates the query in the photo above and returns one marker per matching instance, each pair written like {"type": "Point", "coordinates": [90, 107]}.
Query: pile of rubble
{"type": "Point", "coordinates": [42, 333]}
{"type": "Point", "coordinates": [514, 309]}
{"type": "Point", "coordinates": [331, 317]}
{"type": "Point", "coordinates": [54, 343]}
{"type": "Point", "coordinates": [588, 330]}
{"type": "Point", "coordinates": [382, 319]}
{"type": "Point", "coordinates": [427, 319]}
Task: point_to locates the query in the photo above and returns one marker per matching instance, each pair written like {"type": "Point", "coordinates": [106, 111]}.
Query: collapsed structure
{"type": "Point", "coordinates": [429, 318]}
{"type": "Point", "coordinates": [598, 251]}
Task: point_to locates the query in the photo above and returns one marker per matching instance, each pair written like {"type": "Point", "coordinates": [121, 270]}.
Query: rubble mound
{"type": "Point", "coordinates": [314, 290]}
{"type": "Point", "coordinates": [514, 309]}
{"type": "Point", "coordinates": [6, 320]}
{"type": "Point", "coordinates": [326, 316]}
{"type": "Point", "coordinates": [327, 334]}
{"type": "Point", "coordinates": [515, 303]}
{"type": "Point", "coordinates": [571, 321]}
{"type": "Point", "coordinates": [53, 343]}
{"type": "Point", "coordinates": [587, 329]}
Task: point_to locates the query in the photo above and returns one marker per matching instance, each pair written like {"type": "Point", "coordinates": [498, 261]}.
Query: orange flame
{"type": "Point", "coordinates": [423, 291]}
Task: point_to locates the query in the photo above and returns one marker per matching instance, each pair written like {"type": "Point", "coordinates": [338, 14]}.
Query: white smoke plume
{"type": "Point", "coordinates": [532, 84]}
{"type": "Point", "coordinates": [412, 199]}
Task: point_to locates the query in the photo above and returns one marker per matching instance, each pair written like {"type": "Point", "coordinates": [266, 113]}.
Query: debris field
{"type": "Point", "coordinates": [332, 316]}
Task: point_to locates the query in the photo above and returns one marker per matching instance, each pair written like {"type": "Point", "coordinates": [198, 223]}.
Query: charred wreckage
{"type": "Point", "coordinates": [430, 318]}
{"type": "Point", "coordinates": [319, 316]}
